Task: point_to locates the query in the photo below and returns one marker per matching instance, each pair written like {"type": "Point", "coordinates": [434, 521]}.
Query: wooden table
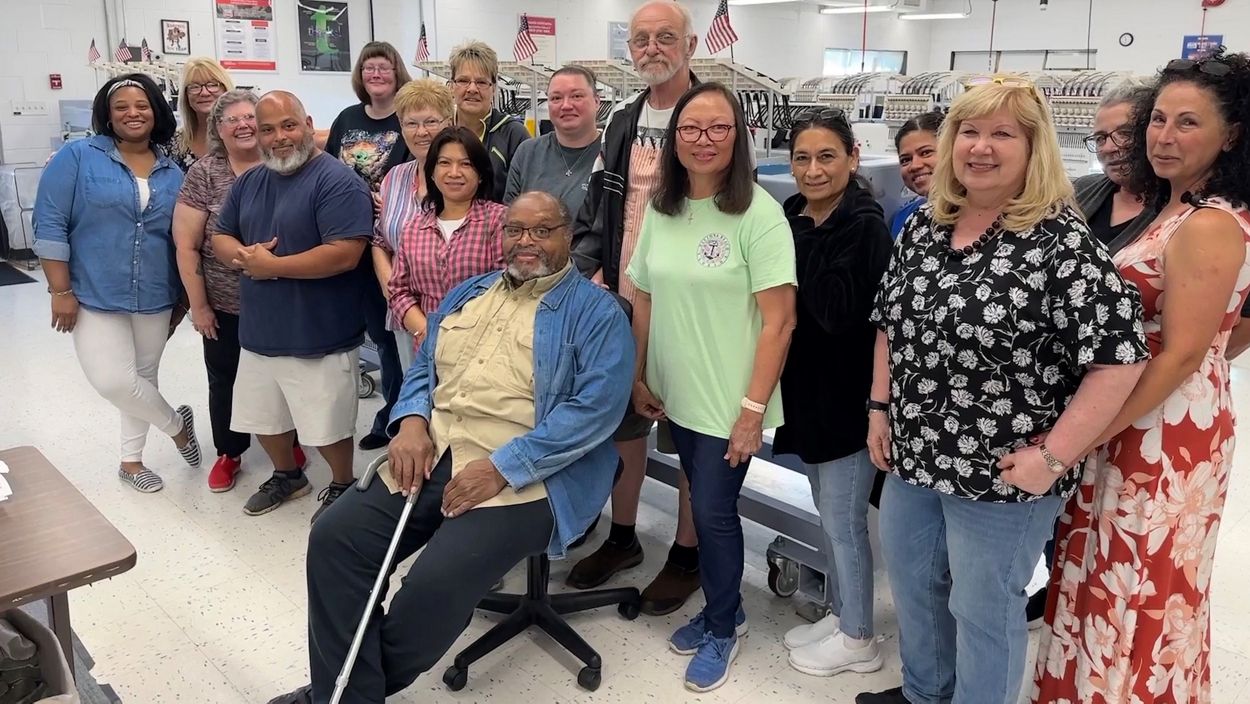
{"type": "Point", "coordinates": [52, 540]}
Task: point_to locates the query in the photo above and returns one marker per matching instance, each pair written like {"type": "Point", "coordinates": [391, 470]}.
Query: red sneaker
{"type": "Point", "coordinates": [221, 476]}
{"type": "Point", "coordinates": [300, 459]}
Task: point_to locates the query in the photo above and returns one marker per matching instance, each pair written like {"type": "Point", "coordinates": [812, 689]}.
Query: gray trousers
{"type": "Point", "coordinates": [463, 558]}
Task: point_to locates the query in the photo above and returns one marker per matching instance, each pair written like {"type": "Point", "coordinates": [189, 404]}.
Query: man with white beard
{"type": "Point", "coordinates": [296, 227]}
{"type": "Point", "coordinates": [661, 42]}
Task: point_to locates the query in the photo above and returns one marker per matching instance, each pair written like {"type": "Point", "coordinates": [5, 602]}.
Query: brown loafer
{"type": "Point", "coordinates": [669, 590]}
{"type": "Point", "coordinates": [599, 566]}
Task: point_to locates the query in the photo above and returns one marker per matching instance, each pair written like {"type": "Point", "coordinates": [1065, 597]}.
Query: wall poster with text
{"type": "Point", "coordinates": [324, 42]}
{"type": "Point", "coordinates": [245, 35]}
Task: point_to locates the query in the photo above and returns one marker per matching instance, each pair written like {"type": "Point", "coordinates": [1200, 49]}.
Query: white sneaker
{"type": "Point", "coordinates": [800, 636]}
{"type": "Point", "coordinates": [831, 655]}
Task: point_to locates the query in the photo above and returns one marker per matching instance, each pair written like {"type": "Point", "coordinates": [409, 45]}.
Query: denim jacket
{"type": "Point", "coordinates": [87, 213]}
{"type": "Point", "coordinates": [583, 365]}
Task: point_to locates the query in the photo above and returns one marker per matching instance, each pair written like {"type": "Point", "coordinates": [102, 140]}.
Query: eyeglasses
{"type": "Point", "coordinates": [236, 119]}
{"type": "Point", "coordinates": [1009, 81]}
{"type": "Point", "coordinates": [464, 83]}
{"type": "Point", "coordinates": [664, 40]}
{"type": "Point", "coordinates": [377, 70]}
{"type": "Point", "coordinates": [430, 123]}
{"type": "Point", "coordinates": [205, 87]}
{"type": "Point", "coordinates": [1211, 67]}
{"type": "Point", "coordinates": [825, 115]}
{"type": "Point", "coordinates": [1119, 138]}
{"type": "Point", "coordinates": [715, 133]}
{"type": "Point", "coordinates": [537, 233]}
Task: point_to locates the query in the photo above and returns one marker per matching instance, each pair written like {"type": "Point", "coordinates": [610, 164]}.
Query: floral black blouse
{"type": "Point", "coordinates": [986, 351]}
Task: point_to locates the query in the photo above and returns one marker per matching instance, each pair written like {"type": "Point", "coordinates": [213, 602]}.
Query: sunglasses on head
{"type": "Point", "coordinates": [824, 115]}
{"type": "Point", "coordinates": [1211, 67]}
{"type": "Point", "coordinates": [1009, 81]}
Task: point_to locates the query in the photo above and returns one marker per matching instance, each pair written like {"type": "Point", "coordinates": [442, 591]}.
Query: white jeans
{"type": "Point", "coordinates": [120, 353]}
{"type": "Point", "coordinates": [404, 341]}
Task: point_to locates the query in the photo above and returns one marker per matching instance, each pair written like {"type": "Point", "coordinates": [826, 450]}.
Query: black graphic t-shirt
{"type": "Point", "coordinates": [987, 350]}
{"type": "Point", "coordinates": [371, 147]}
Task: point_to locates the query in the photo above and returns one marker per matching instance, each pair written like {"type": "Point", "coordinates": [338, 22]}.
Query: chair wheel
{"type": "Point", "coordinates": [589, 678]}
{"type": "Point", "coordinates": [366, 386]}
{"type": "Point", "coordinates": [456, 678]}
{"type": "Point", "coordinates": [629, 610]}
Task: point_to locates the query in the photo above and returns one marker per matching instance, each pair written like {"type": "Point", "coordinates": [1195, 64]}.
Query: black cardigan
{"type": "Point", "coordinates": [828, 372]}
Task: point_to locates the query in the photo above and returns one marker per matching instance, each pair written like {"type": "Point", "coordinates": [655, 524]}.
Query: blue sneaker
{"type": "Point", "coordinates": [710, 666]}
{"type": "Point", "coordinates": [687, 639]}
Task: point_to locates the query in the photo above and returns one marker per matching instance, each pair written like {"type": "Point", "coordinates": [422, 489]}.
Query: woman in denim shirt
{"type": "Point", "coordinates": [102, 233]}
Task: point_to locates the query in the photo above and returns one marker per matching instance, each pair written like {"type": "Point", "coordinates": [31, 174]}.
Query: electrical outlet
{"type": "Point", "coordinates": [29, 107]}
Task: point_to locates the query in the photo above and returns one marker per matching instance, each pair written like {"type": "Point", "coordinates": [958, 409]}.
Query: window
{"type": "Point", "coordinates": [847, 62]}
{"type": "Point", "coordinates": [1021, 60]}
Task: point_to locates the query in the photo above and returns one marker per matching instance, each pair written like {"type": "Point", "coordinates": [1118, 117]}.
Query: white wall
{"type": "Point", "coordinates": [1157, 26]}
{"type": "Point", "coordinates": [51, 36]}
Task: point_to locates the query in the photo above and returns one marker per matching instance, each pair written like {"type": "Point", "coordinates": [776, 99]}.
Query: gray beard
{"type": "Point", "coordinates": [289, 165]}
{"type": "Point", "coordinates": [543, 269]}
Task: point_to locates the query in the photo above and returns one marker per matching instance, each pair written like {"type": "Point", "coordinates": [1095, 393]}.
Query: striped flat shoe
{"type": "Point", "coordinates": [191, 451]}
{"type": "Point", "coordinates": [144, 480]}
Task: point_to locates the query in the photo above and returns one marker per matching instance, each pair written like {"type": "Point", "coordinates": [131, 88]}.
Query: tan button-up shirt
{"type": "Point", "coordinates": [485, 365]}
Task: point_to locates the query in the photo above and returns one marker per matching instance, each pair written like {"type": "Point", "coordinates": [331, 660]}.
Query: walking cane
{"type": "Point", "coordinates": [340, 684]}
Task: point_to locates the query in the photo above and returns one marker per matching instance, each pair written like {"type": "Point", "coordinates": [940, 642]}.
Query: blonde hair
{"type": "Point", "coordinates": [476, 52]}
{"type": "Point", "coordinates": [1046, 191]}
{"type": "Point", "coordinates": [425, 93]}
{"type": "Point", "coordinates": [197, 69]}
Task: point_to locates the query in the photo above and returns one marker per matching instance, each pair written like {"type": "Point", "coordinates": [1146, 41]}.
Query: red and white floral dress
{"type": "Point", "coordinates": [1129, 618]}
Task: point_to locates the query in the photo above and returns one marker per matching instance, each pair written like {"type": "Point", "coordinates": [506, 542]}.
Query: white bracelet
{"type": "Point", "coordinates": [752, 406]}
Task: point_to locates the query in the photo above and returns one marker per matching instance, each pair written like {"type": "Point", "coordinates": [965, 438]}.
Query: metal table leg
{"type": "Point", "coordinates": [58, 619]}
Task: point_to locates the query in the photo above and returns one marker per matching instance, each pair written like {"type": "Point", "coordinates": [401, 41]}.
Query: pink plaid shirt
{"type": "Point", "coordinates": [426, 266]}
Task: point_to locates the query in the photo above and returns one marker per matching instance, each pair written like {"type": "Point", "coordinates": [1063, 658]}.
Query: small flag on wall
{"type": "Point", "coordinates": [524, 46]}
{"type": "Point", "coordinates": [721, 34]}
{"type": "Point", "coordinates": [423, 47]}
{"type": "Point", "coordinates": [123, 53]}
{"type": "Point", "coordinates": [93, 54]}
{"type": "Point", "coordinates": [144, 51]}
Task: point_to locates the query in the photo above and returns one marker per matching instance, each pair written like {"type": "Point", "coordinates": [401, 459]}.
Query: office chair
{"type": "Point", "coordinates": [538, 607]}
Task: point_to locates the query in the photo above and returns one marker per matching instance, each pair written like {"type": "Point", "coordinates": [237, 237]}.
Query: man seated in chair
{"type": "Point", "coordinates": [503, 430]}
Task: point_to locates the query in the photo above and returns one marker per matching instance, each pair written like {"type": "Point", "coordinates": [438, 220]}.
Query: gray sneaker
{"type": "Point", "coordinates": [276, 490]}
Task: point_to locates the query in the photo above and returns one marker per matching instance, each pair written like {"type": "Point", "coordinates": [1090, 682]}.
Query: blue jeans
{"type": "Point", "coordinates": [388, 351]}
{"type": "Point", "coordinates": [841, 489]}
{"type": "Point", "coordinates": [714, 487]}
{"type": "Point", "coordinates": [958, 569]}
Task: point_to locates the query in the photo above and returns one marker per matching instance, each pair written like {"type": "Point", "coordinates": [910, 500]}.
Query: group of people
{"type": "Point", "coordinates": [1000, 361]}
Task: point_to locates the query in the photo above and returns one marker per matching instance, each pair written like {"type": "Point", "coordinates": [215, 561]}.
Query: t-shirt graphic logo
{"type": "Point", "coordinates": [713, 250]}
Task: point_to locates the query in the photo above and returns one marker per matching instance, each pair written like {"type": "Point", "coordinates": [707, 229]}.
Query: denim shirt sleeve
{"type": "Point", "coordinates": [54, 204]}
{"type": "Point", "coordinates": [578, 424]}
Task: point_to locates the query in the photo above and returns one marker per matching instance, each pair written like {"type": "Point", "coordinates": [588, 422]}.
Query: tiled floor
{"type": "Point", "coordinates": [214, 611]}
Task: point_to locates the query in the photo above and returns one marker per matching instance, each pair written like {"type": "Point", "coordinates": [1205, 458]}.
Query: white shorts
{"type": "Point", "coordinates": [317, 397]}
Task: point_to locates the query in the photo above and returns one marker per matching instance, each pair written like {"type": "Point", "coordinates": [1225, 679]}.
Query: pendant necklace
{"type": "Point", "coordinates": [568, 170]}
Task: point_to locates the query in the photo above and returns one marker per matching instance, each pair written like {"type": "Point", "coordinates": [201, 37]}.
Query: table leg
{"type": "Point", "coordinates": [58, 618]}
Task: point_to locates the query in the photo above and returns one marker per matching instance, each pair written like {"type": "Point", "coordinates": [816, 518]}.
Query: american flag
{"type": "Point", "coordinates": [93, 54]}
{"type": "Point", "coordinates": [721, 34]}
{"type": "Point", "coordinates": [122, 53]}
{"type": "Point", "coordinates": [144, 51]}
{"type": "Point", "coordinates": [423, 47]}
{"type": "Point", "coordinates": [524, 46]}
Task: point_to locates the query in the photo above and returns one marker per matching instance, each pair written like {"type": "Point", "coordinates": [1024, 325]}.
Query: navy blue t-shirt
{"type": "Point", "coordinates": [322, 202]}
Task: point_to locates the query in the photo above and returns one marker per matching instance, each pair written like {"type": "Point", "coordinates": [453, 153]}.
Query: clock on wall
{"type": "Point", "coordinates": [1126, 39]}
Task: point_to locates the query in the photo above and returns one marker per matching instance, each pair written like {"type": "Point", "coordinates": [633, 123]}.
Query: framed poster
{"type": "Point", "coordinates": [618, 40]}
{"type": "Point", "coordinates": [175, 37]}
{"type": "Point", "coordinates": [543, 32]}
{"type": "Point", "coordinates": [245, 35]}
{"type": "Point", "coordinates": [324, 41]}
{"type": "Point", "coordinates": [1198, 46]}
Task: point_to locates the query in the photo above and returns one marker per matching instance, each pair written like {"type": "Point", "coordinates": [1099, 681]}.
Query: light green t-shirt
{"type": "Point", "coordinates": [702, 269]}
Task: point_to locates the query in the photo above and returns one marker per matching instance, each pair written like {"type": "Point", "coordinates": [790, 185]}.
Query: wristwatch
{"type": "Point", "coordinates": [1052, 462]}
{"type": "Point", "coordinates": [877, 406]}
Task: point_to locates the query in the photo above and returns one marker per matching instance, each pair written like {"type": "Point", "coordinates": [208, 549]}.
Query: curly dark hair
{"type": "Point", "coordinates": [1230, 86]}
{"type": "Point", "coordinates": [164, 123]}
